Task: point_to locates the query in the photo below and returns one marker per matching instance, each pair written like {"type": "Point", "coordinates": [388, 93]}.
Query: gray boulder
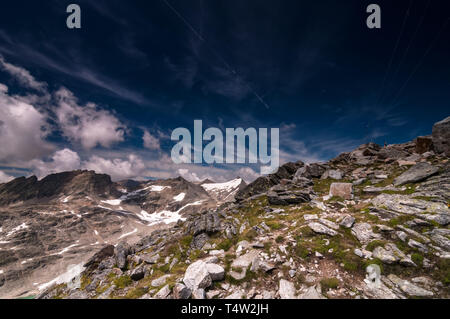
{"type": "Point", "coordinates": [138, 273]}
{"type": "Point", "coordinates": [333, 174]}
{"type": "Point", "coordinates": [417, 173]}
{"type": "Point", "coordinates": [197, 276]}
{"type": "Point", "coordinates": [347, 222]}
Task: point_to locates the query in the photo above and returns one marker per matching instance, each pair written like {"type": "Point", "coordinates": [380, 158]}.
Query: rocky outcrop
{"type": "Point", "coordinates": [424, 144]}
{"type": "Point", "coordinates": [417, 173]}
{"type": "Point", "coordinates": [262, 184]}
{"type": "Point", "coordinates": [441, 137]}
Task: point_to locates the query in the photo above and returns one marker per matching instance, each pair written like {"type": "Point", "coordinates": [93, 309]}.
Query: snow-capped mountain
{"type": "Point", "coordinates": [224, 192]}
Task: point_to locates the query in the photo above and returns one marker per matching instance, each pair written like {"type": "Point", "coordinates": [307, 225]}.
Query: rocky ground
{"type": "Point", "coordinates": [308, 231]}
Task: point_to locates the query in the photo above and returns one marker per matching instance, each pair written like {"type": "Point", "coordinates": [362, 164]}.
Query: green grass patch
{"type": "Point", "coordinates": [417, 259]}
{"type": "Point", "coordinates": [123, 281]}
{"type": "Point", "coordinates": [374, 244]}
{"type": "Point", "coordinates": [329, 283]}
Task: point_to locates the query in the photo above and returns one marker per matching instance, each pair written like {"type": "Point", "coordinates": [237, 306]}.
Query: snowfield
{"type": "Point", "coordinates": [165, 216]}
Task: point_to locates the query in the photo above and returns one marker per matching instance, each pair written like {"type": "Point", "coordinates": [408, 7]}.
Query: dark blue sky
{"type": "Point", "coordinates": [312, 68]}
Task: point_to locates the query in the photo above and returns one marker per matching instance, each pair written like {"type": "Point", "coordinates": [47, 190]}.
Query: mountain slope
{"type": "Point", "coordinates": [306, 232]}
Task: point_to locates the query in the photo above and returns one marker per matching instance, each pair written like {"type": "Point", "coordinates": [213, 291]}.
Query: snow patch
{"type": "Point", "coordinates": [179, 197]}
{"type": "Point", "coordinates": [157, 188]}
{"type": "Point", "coordinates": [165, 216]}
{"type": "Point", "coordinates": [16, 229]}
{"type": "Point", "coordinates": [112, 202]}
{"type": "Point", "coordinates": [128, 234]}
{"type": "Point", "coordinates": [65, 249]}
{"type": "Point", "coordinates": [66, 199]}
{"type": "Point", "coordinates": [72, 272]}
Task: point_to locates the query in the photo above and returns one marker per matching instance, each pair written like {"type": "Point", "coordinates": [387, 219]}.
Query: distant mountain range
{"type": "Point", "coordinates": [52, 224]}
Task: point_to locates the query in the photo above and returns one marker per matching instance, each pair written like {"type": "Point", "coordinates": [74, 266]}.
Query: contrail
{"type": "Point", "coordinates": [218, 55]}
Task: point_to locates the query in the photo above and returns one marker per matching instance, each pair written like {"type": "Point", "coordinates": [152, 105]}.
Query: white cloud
{"type": "Point", "coordinates": [23, 129]}
{"type": "Point", "coordinates": [118, 169]}
{"type": "Point", "coordinates": [22, 76]}
{"type": "Point", "coordinates": [60, 161]}
{"type": "Point", "coordinates": [5, 178]}
{"type": "Point", "coordinates": [151, 142]}
{"type": "Point", "coordinates": [87, 124]}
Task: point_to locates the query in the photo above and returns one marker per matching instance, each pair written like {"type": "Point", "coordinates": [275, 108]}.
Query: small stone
{"type": "Point", "coordinates": [180, 291]}
{"type": "Point", "coordinates": [348, 221]}
{"type": "Point", "coordinates": [199, 293]}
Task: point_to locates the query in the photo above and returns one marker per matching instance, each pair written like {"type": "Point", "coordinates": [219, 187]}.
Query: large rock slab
{"type": "Point", "coordinates": [344, 190]}
{"type": "Point", "coordinates": [441, 137]}
{"type": "Point", "coordinates": [313, 292]}
{"type": "Point", "coordinates": [243, 263]}
{"type": "Point", "coordinates": [321, 229]}
{"type": "Point", "coordinates": [409, 288]}
{"type": "Point", "coordinates": [417, 173]}
{"type": "Point", "coordinates": [363, 232]}
{"type": "Point", "coordinates": [286, 290]}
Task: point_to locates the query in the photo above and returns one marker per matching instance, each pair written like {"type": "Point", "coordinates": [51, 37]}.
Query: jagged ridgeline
{"type": "Point", "coordinates": [307, 231]}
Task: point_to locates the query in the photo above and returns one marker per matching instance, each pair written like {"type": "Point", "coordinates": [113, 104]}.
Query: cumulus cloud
{"type": "Point", "coordinates": [22, 76]}
{"type": "Point", "coordinates": [60, 161]}
{"type": "Point", "coordinates": [5, 178]}
{"type": "Point", "coordinates": [87, 124]}
{"type": "Point", "coordinates": [151, 142]}
{"type": "Point", "coordinates": [23, 129]}
{"type": "Point", "coordinates": [118, 169]}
